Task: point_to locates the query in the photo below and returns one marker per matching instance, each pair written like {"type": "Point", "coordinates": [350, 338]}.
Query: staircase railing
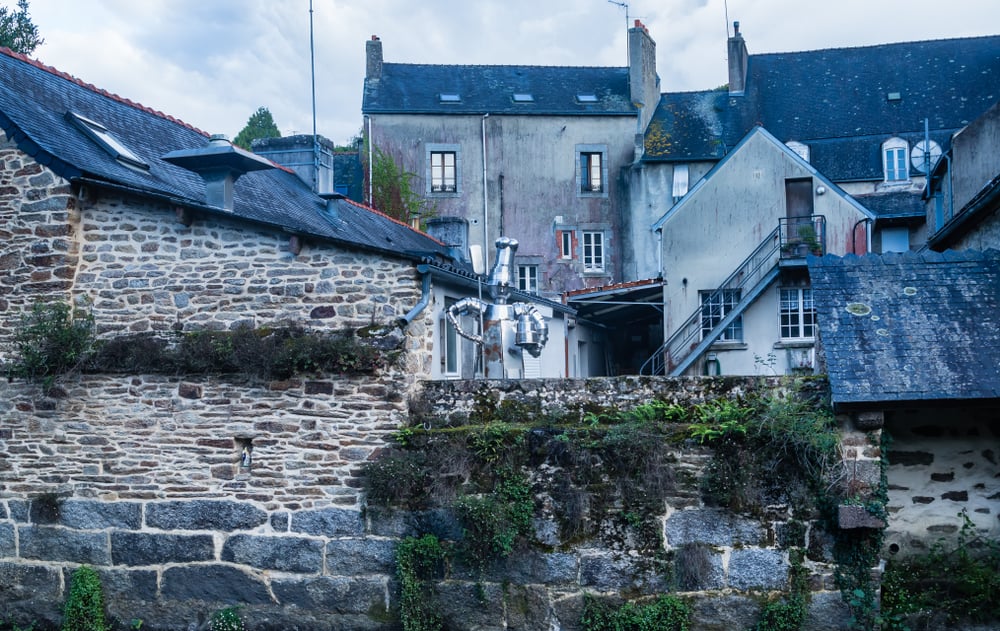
{"type": "Point", "coordinates": [760, 267]}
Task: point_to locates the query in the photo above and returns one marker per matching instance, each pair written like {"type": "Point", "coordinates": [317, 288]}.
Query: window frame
{"type": "Point", "coordinates": [728, 299]}
{"type": "Point", "coordinates": [795, 318]}
{"type": "Point", "coordinates": [527, 278]}
{"type": "Point", "coordinates": [593, 248]}
{"type": "Point", "coordinates": [895, 161]}
{"type": "Point", "coordinates": [586, 170]}
{"type": "Point", "coordinates": [442, 189]}
{"type": "Point", "coordinates": [566, 244]}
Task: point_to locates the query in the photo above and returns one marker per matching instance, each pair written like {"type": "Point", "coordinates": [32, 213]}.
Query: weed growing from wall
{"type": "Point", "coordinates": [418, 562]}
{"type": "Point", "coordinates": [667, 613]}
{"type": "Point", "coordinates": [51, 340]}
{"type": "Point", "coordinates": [227, 619]}
{"type": "Point", "coordinates": [84, 608]}
{"type": "Point", "coordinates": [788, 613]}
{"type": "Point", "coordinates": [954, 582]}
{"type": "Point", "coordinates": [492, 523]}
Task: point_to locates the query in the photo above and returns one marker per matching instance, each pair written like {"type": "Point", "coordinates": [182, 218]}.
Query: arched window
{"type": "Point", "coordinates": [895, 160]}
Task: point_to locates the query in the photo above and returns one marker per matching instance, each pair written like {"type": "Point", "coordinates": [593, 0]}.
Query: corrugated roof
{"type": "Point", "coordinates": [417, 89]}
{"type": "Point", "coordinates": [909, 327]}
{"type": "Point", "coordinates": [34, 101]}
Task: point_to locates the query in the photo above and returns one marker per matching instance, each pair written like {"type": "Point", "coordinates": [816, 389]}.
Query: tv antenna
{"type": "Point", "coordinates": [623, 5]}
{"type": "Point", "coordinates": [628, 53]}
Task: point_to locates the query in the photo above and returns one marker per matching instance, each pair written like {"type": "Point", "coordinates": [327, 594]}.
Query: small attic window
{"type": "Point", "coordinates": [450, 97]}
{"type": "Point", "coordinates": [586, 97]}
{"type": "Point", "coordinates": [894, 96]}
{"type": "Point", "coordinates": [100, 134]}
{"type": "Point", "coordinates": [523, 97]}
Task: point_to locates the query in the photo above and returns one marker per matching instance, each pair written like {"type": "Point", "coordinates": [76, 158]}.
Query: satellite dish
{"type": "Point", "coordinates": [924, 151]}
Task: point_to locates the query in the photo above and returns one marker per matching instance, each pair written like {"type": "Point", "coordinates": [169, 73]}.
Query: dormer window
{"type": "Point", "coordinates": [450, 97]}
{"type": "Point", "coordinates": [895, 160]}
{"type": "Point", "coordinates": [100, 134]}
{"type": "Point", "coordinates": [523, 97]}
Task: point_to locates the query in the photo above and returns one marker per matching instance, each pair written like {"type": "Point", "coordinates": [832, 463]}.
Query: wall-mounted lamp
{"type": "Point", "coordinates": [820, 190]}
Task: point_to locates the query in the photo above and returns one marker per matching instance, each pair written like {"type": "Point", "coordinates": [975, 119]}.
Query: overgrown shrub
{"type": "Point", "coordinates": [666, 613]}
{"type": "Point", "coordinates": [50, 340]}
{"type": "Point", "coordinates": [84, 608]}
{"type": "Point", "coordinates": [492, 523]}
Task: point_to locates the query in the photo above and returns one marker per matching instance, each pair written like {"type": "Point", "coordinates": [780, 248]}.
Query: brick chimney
{"type": "Point", "coordinates": [644, 84]}
{"type": "Point", "coordinates": [737, 62]}
{"type": "Point", "coordinates": [373, 58]}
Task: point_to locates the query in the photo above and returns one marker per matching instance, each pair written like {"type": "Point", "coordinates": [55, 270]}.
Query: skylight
{"type": "Point", "coordinates": [523, 97]}
{"type": "Point", "coordinates": [586, 97]}
{"type": "Point", "coordinates": [450, 97]}
{"type": "Point", "coordinates": [100, 134]}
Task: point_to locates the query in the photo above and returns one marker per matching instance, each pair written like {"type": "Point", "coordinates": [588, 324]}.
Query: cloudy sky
{"type": "Point", "coordinates": [212, 63]}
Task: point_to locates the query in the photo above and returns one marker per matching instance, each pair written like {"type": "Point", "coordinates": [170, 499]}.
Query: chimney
{"type": "Point", "coordinates": [310, 157]}
{"type": "Point", "coordinates": [737, 62]}
{"type": "Point", "coordinates": [644, 85]}
{"type": "Point", "coordinates": [373, 58]}
{"type": "Point", "coordinates": [220, 164]}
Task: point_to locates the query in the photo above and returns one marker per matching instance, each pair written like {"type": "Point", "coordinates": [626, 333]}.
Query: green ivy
{"type": "Point", "coordinates": [84, 607]}
{"type": "Point", "coordinates": [492, 523]}
{"type": "Point", "coordinates": [666, 613]}
{"type": "Point", "coordinates": [418, 562]}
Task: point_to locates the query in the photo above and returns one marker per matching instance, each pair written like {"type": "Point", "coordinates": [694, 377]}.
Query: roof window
{"type": "Point", "coordinates": [100, 134]}
{"type": "Point", "coordinates": [450, 97]}
{"type": "Point", "coordinates": [586, 97]}
{"type": "Point", "coordinates": [523, 97]}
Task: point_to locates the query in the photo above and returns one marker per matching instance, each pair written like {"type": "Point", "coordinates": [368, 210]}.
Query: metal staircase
{"type": "Point", "coordinates": [751, 278]}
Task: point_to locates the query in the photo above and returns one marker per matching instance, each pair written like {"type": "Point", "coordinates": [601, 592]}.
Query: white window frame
{"type": "Point", "coordinates": [896, 160]}
{"type": "Point", "coordinates": [796, 314]}
{"type": "Point", "coordinates": [451, 345]}
{"type": "Point", "coordinates": [592, 242]}
{"type": "Point", "coordinates": [527, 278]}
{"type": "Point", "coordinates": [713, 311]}
{"type": "Point", "coordinates": [435, 174]}
{"type": "Point", "coordinates": [587, 171]}
{"type": "Point", "coordinates": [680, 182]}
{"type": "Point", "coordinates": [566, 244]}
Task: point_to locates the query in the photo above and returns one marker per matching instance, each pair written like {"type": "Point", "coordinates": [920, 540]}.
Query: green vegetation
{"type": "Point", "coordinates": [492, 523]}
{"type": "Point", "coordinates": [954, 582]}
{"type": "Point", "coordinates": [667, 613]}
{"type": "Point", "coordinates": [84, 608]}
{"type": "Point", "coordinates": [50, 340]}
{"type": "Point", "coordinates": [54, 340]}
{"type": "Point", "coordinates": [259, 125]}
{"type": "Point", "coordinates": [227, 619]}
{"type": "Point", "coordinates": [418, 562]}
{"type": "Point", "coordinates": [17, 31]}
{"type": "Point", "coordinates": [392, 188]}
{"type": "Point", "coordinates": [788, 613]}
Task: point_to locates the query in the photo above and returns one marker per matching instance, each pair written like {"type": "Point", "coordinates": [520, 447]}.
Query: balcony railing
{"type": "Point", "coordinates": [802, 235]}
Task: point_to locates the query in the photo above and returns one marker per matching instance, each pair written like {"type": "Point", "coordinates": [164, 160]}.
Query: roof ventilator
{"type": "Point", "coordinates": [220, 164]}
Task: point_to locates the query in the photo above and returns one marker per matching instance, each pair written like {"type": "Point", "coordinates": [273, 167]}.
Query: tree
{"type": "Point", "coordinates": [260, 125]}
{"type": "Point", "coordinates": [17, 32]}
{"type": "Point", "coordinates": [392, 189]}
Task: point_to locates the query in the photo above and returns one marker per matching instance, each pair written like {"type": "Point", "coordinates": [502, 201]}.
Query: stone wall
{"type": "Point", "coordinates": [141, 477]}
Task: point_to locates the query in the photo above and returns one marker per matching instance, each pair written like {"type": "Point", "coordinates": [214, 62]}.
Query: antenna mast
{"type": "Point", "coordinates": [624, 5]}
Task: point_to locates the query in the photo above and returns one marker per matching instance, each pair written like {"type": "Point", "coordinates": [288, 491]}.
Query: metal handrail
{"type": "Point", "coordinates": [751, 271]}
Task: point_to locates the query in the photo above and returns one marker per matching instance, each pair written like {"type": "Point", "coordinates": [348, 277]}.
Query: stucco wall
{"type": "Point", "coordinates": [536, 159]}
{"type": "Point", "coordinates": [975, 159]}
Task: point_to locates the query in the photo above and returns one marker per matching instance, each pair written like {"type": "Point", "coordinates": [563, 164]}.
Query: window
{"type": "Point", "coordinates": [680, 187]}
{"type": "Point", "coordinates": [450, 97]}
{"type": "Point", "coordinates": [523, 97]}
{"type": "Point", "coordinates": [592, 170]}
{"type": "Point", "coordinates": [527, 278]}
{"type": "Point", "coordinates": [593, 251]}
{"type": "Point", "coordinates": [716, 305]}
{"type": "Point", "coordinates": [895, 156]}
{"type": "Point", "coordinates": [443, 169]}
{"type": "Point", "coordinates": [100, 134]}
{"type": "Point", "coordinates": [797, 316]}
{"type": "Point", "coordinates": [565, 244]}
{"type": "Point", "coordinates": [586, 97]}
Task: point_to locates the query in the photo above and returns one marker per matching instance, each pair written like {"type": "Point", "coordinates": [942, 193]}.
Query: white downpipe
{"type": "Point", "coordinates": [371, 166]}
{"type": "Point", "coordinates": [486, 208]}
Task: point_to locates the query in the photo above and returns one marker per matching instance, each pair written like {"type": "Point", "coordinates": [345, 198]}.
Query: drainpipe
{"type": "Point", "coordinates": [425, 297]}
{"type": "Point", "coordinates": [486, 209]}
{"type": "Point", "coordinates": [371, 143]}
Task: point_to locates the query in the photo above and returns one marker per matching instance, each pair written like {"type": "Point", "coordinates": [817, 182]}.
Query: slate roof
{"type": "Point", "coordinates": [836, 101]}
{"type": "Point", "coordinates": [34, 101]}
{"type": "Point", "coordinates": [897, 205]}
{"type": "Point", "coordinates": [909, 327]}
{"type": "Point", "coordinates": [417, 89]}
